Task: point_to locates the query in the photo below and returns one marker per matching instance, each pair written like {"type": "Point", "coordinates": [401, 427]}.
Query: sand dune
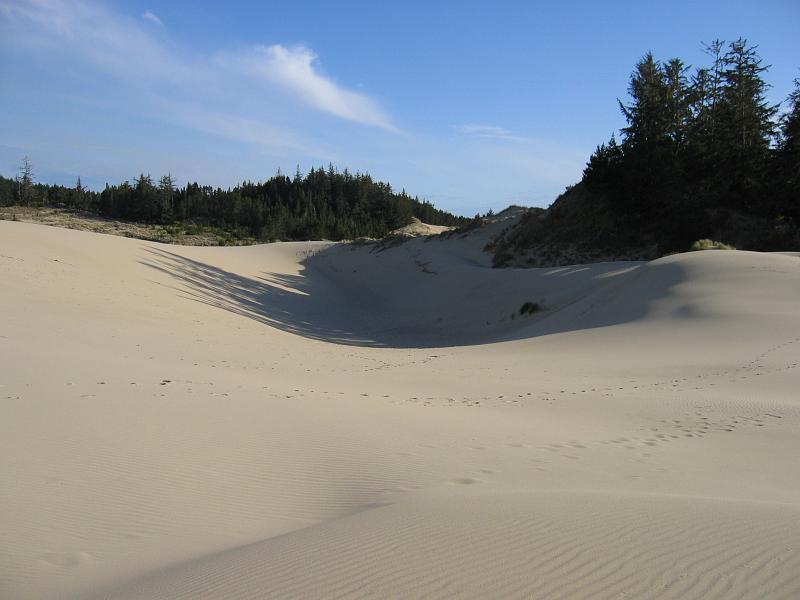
{"type": "Point", "coordinates": [314, 419]}
{"type": "Point", "coordinates": [513, 544]}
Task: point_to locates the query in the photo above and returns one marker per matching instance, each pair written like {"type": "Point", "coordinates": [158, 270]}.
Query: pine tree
{"type": "Point", "coordinates": [649, 163]}
{"type": "Point", "coordinates": [712, 98]}
{"type": "Point", "coordinates": [80, 195]}
{"type": "Point", "coordinates": [787, 159]}
{"type": "Point", "coordinates": [602, 172]}
{"type": "Point", "coordinates": [166, 189]}
{"type": "Point", "coordinates": [747, 127]}
{"type": "Point", "coordinates": [323, 204]}
{"type": "Point", "coordinates": [677, 103]}
{"type": "Point", "coordinates": [25, 182]}
{"type": "Point", "coordinates": [704, 148]}
{"type": "Point", "coordinates": [646, 115]}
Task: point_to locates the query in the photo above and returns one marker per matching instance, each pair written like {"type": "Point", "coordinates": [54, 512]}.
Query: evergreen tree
{"type": "Point", "coordinates": [321, 205]}
{"type": "Point", "coordinates": [747, 126]}
{"type": "Point", "coordinates": [80, 196]}
{"type": "Point", "coordinates": [655, 125]}
{"type": "Point", "coordinates": [646, 117]}
{"type": "Point", "coordinates": [678, 104]}
{"type": "Point", "coordinates": [166, 189]}
{"type": "Point", "coordinates": [704, 154]}
{"type": "Point", "coordinates": [711, 99]}
{"type": "Point", "coordinates": [25, 182]}
{"type": "Point", "coordinates": [787, 159]}
{"type": "Point", "coordinates": [696, 151]}
{"type": "Point", "coordinates": [603, 171]}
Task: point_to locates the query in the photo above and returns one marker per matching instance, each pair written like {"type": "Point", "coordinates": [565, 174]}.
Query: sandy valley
{"type": "Point", "coordinates": [317, 419]}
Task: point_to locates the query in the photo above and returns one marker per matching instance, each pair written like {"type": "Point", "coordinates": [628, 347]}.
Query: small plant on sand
{"type": "Point", "coordinates": [528, 308]}
{"type": "Point", "coordinates": [710, 245]}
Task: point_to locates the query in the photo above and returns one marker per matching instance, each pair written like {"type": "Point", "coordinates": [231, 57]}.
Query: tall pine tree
{"type": "Point", "coordinates": [747, 126]}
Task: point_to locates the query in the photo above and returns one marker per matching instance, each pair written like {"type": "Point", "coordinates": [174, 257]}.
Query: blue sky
{"type": "Point", "coordinates": [472, 105]}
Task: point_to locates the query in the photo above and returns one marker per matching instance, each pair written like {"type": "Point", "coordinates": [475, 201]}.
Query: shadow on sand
{"type": "Point", "coordinates": [316, 308]}
{"type": "Point", "coordinates": [290, 303]}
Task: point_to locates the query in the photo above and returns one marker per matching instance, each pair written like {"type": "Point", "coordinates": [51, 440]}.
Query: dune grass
{"type": "Point", "coordinates": [707, 244]}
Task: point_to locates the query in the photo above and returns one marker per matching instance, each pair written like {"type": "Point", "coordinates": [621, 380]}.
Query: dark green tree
{"type": "Point", "coordinates": [787, 160]}
{"type": "Point", "coordinates": [25, 181]}
{"type": "Point", "coordinates": [746, 126]}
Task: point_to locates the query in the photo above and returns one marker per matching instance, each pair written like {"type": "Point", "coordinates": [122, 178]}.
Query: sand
{"type": "Point", "coordinates": [321, 420]}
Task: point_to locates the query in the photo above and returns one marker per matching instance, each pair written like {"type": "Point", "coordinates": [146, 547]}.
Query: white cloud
{"type": "Point", "coordinates": [121, 47]}
{"type": "Point", "coordinates": [489, 131]}
{"type": "Point", "coordinates": [240, 128]}
{"type": "Point", "coordinates": [88, 33]}
{"type": "Point", "coordinates": [296, 69]}
{"type": "Point", "coordinates": [152, 17]}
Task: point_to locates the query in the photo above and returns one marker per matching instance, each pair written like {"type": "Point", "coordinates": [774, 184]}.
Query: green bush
{"type": "Point", "coordinates": [528, 308]}
{"type": "Point", "coordinates": [710, 245]}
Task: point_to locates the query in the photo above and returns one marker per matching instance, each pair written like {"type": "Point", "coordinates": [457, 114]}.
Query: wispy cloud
{"type": "Point", "coordinates": [153, 103]}
{"type": "Point", "coordinates": [239, 128]}
{"type": "Point", "coordinates": [118, 46]}
{"type": "Point", "coordinates": [297, 70]}
{"type": "Point", "coordinates": [88, 34]}
{"type": "Point", "coordinates": [489, 131]}
{"type": "Point", "coordinates": [152, 17]}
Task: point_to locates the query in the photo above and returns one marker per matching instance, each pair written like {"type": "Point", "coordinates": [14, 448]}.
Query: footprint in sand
{"type": "Point", "coordinates": [66, 559]}
{"type": "Point", "coordinates": [464, 481]}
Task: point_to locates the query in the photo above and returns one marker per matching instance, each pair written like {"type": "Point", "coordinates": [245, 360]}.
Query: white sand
{"type": "Point", "coordinates": [231, 423]}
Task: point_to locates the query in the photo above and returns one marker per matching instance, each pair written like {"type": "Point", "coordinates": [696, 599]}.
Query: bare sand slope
{"type": "Point", "coordinates": [300, 420]}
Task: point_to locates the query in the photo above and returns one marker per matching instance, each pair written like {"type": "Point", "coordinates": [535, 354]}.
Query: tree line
{"type": "Point", "coordinates": [702, 150]}
{"type": "Point", "coordinates": [323, 204]}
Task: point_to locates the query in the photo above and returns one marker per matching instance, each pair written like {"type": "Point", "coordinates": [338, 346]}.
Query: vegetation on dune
{"type": "Point", "coordinates": [175, 233]}
{"type": "Point", "coordinates": [710, 245]}
{"type": "Point", "coordinates": [529, 308]}
{"type": "Point", "coordinates": [703, 155]}
{"type": "Point", "coordinates": [324, 204]}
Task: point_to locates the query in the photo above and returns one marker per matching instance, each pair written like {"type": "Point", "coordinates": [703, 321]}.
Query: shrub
{"type": "Point", "coordinates": [529, 308]}
{"type": "Point", "coordinates": [710, 245]}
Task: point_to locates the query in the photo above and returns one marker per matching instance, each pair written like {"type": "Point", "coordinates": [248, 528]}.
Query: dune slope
{"type": "Point", "coordinates": [313, 419]}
